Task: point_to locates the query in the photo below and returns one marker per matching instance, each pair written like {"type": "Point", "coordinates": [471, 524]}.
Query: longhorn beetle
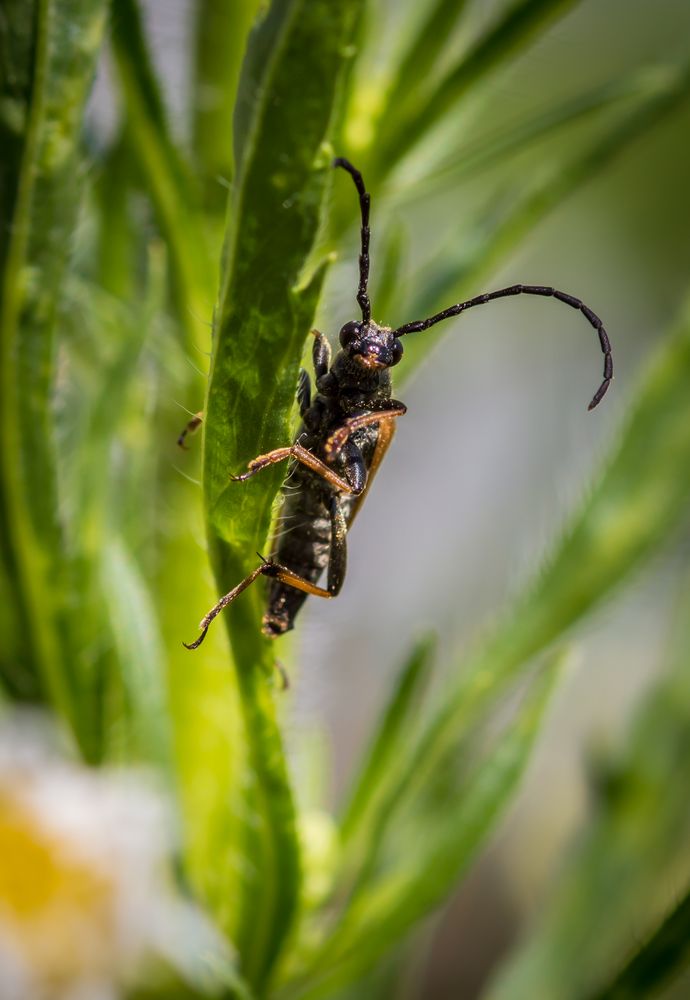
{"type": "Point", "coordinates": [346, 429]}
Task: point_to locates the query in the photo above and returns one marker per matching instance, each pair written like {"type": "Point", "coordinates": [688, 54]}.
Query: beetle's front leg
{"type": "Point", "coordinates": [336, 442]}
{"type": "Point", "coordinates": [321, 354]}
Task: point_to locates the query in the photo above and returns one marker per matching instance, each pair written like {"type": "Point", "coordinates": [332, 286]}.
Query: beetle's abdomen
{"type": "Point", "coordinates": [302, 538]}
{"type": "Point", "coordinates": [302, 542]}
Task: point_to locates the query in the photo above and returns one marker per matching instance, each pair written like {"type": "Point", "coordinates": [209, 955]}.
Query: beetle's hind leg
{"type": "Point", "coordinates": [193, 425]}
{"type": "Point", "coordinates": [266, 568]}
{"type": "Point", "coordinates": [336, 574]}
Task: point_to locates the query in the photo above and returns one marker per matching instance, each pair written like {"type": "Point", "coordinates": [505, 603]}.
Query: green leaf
{"type": "Point", "coordinates": [473, 159]}
{"type": "Point", "coordinates": [62, 38]}
{"type": "Point", "coordinates": [389, 903]}
{"type": "Point", "coordinates": [458, 270]}
{"type": "Point", "coordinates": [616, 887]}
{"type": "Point", "coordinates": [140, 656]}
{"type": "Point", "coordinates": [221, 35]}
{"type": "Point", "coordinates": [167, 177]}
{"type": "Point", "coordinates": [395, 726]}
{"type": "Point", "coordinates": [661, 958]}
{"type": "Point", "coordinates": [289, 90]}
{"type": "Point", "coordinates": [522, 22]}
{"type": "Point", "coordinates": [415, 68]}
{"type": "Point", "coordinates": [390, 254]}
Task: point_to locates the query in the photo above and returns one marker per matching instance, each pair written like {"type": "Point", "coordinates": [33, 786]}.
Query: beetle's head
{"type": "Point", "coordinates": [370, 345]}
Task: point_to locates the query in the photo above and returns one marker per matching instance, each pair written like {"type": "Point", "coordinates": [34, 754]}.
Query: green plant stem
{"type": "Point", "coordinates": [165, 174]}
{"type": "Point", "coordinates": [221, 36]}
{"type": "Point", "coordinates": [288, 94]}
{"type": "Point", "coordinates": [67, 39]}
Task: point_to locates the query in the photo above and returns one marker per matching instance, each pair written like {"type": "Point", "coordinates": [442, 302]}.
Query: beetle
{"type": "Point", "coordinates": [346, 429]}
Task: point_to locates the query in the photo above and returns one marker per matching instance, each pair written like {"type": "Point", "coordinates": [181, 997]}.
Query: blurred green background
{"type": "Point", "coordinates": [512, 539]}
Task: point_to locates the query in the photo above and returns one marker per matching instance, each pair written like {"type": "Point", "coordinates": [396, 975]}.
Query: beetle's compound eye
{"type": "Point", "coordinates": [396, 351]}
{"type": "Point", "coordinates": [348, 333]}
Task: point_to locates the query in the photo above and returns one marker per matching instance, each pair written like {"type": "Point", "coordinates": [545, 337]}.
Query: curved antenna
{"type": "Point", "coordinates": [544, 290]}
{"type": "Point", "coordinates": [364, 202]}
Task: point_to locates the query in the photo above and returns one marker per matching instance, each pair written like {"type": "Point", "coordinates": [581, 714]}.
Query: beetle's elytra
{"type": "Point", "coordinates": [348, 422]}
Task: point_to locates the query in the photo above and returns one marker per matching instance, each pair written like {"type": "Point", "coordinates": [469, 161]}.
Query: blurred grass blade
{"type": "Point", "coordinates": [18, 669]}
{"type": "Point", "coordinates": [221, 35]}
{"type": "Point", "coordinates": [419, 62]}
{"type": "Point", "coordinates": [393, 729]}
{"type": "Point", "coordinates": [41, 201]}
{"type": "Point", "coordinates": [475, 158]}
{"type": "Point", "coordinates": [434, 854]}
{"type": "Point", "coordinates": [288, 91]}
{"type": "Point", "coordinates": [663, 957]}
{"type": "Point", "coordinates": [616, 887]}
{"type": "Point", "coordinates": [117, 241]}
{"type": "Point", "coordinates": [416, 68]}
{"type": "Point", "coordinates": [390, 255]}
{"type": "Point", "coordinates": [632, 509]}
{"type": "Point", "coordinates": [166, 175]}
{"type": "Point", "coordinates": [140, 655]}
{"type": "Point", "coordinates": [513, 33]}
{"type": "Point", "coordinates": [460, 267]}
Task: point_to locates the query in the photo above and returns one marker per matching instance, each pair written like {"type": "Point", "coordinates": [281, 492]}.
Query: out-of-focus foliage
{"type": "Point", "coordinates": [125, 266]}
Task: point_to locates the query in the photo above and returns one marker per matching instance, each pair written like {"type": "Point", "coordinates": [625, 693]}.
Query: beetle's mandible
{"type": "Point", "coordinates": [347, 426]}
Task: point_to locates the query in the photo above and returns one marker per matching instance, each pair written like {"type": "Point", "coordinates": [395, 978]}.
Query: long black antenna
{"type": "Point", "coordinates": [544, 290]}
{"type": "Point", "coordinates": [364, 202]}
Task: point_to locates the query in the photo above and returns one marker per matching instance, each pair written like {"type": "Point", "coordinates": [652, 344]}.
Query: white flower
{"type": "Point", "coordinates": [84, 896]}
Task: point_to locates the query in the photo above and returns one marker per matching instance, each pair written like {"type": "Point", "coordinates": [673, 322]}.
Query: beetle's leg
{"type": "Point", "coordinates": [304, 457]}
{"type": "Point", "coordinates": [223, 603]}
{"type": "Point", "coordinates": [336, 442]}
{"type": "Point", "coordinates": [337, 563]}
{"type": "Point", "coordinates": [321, 354]}
{"type": "Point", "coordinates": [192, 426]}
{"type": "Point", "coordinates": [267, 568]}
{"type": "Point", "coordinates": [303, 392]}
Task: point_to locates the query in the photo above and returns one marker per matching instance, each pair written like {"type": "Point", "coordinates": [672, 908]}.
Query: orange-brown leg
{"type": "Point", "coordinates": [298, 452]}
{"type": "Point", "coordinates": [192, 426]}
{"type": "Point", "coordinates": [338, 438]}
{"type": "Point", "coordinates": [266, 568]}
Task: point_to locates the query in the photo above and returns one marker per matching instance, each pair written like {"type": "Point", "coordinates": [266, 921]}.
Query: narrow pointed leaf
{"type": "Point", "coordinates": [221, 35]}
{"type": "Point", "coordinates": [615, 889]}
{"type": "Point", "coordinates": [288, 94]}
{"type": "Point", "coordinates": [516, 29]}
{"type": "Point", "coordinates": [60, 39]}
{"type": "Point", "coordinates": [396, 725]}
{"type": "Point", "coordinates": [459, 272]}
{"type": "Point", "coordinates": [413, 883]}
{"type": "Point", "coordinates": [166, 175]}
{"type": "Point", "coordinates": [663, 957]}
{"type": "Point", "coordinates": [473, 159]}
